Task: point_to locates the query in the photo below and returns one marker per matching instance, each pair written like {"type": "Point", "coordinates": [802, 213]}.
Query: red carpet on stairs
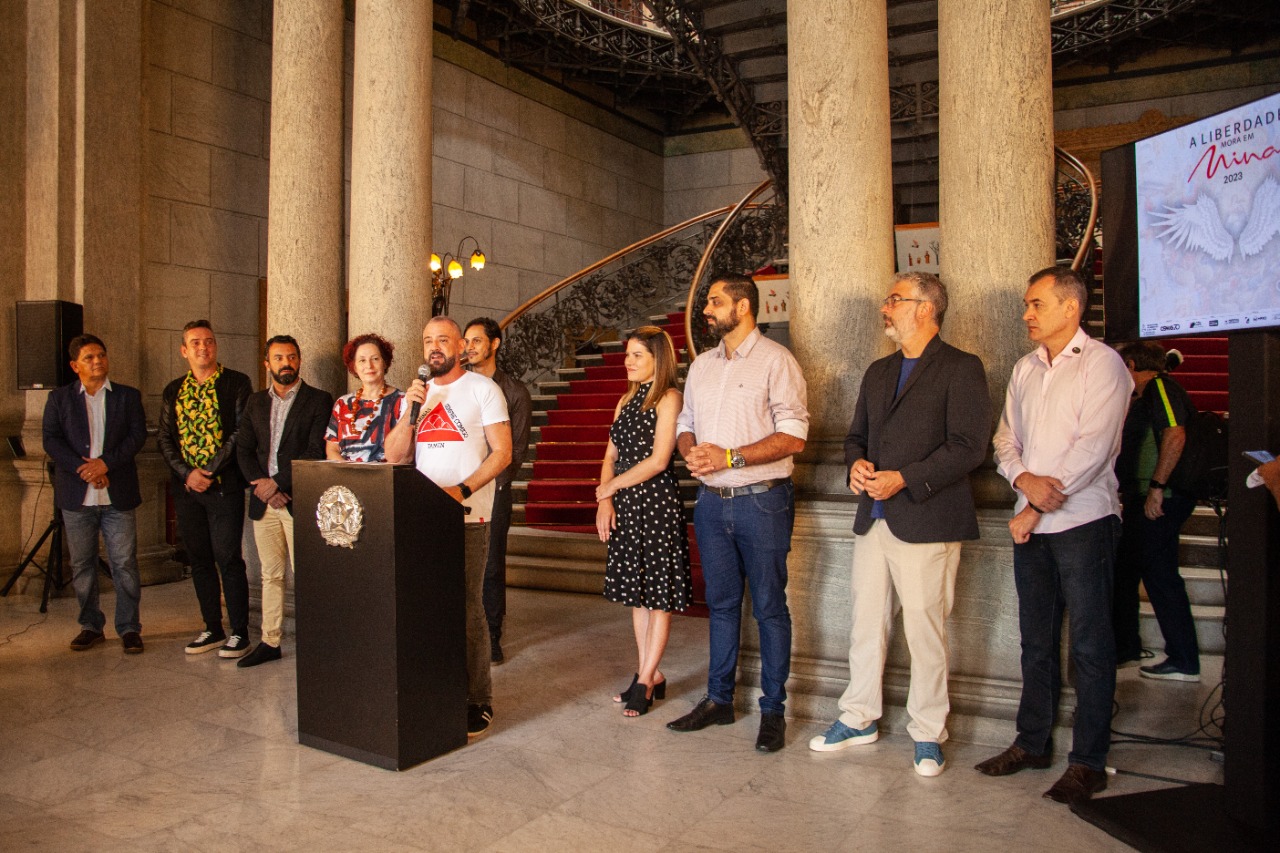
{"type": "Point", "coordinates": [1203, 371]}
{"type": "Point", "coordinates": [571, 445]}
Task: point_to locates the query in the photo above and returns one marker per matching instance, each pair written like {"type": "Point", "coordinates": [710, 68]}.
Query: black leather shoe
{"type": "Point", "coordinates": [773, 731]}
{"type": "Point", "coordinates": [1012, 760]}
{"type": "Point", "coordinates": [1078, 784]}
{"type": "Point", "coordinates": [86, 639]}
{"type": "Point", "coordinates": [262, 653]}
{"type": "Point", "coordinates": [132, 642]}
{"type": "Point", "coordinates": [705, 713]}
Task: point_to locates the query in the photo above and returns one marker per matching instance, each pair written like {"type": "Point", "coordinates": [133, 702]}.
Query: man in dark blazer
{"type": "Point", "coordinates": [199, 414]}
{"type": "Point", "coordinates": [284, 422]}
{"type": "Point", "coordinates": [922, 423]}
{"type": "Point", "coordinates": [93, 429]}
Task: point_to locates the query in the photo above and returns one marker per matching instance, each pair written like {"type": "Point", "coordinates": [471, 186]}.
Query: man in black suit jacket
{"type": "Point", "coordinates": [93, 429]}
{"type": "Point", "coordinates": [922, 423]}
{"type": "Point", "coordinates": [284, 422]}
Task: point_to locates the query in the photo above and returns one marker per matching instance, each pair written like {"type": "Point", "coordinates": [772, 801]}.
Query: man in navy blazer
{"type": "Point", "coordinates": [283, 422]}
{"type": "Point", "coordinates": [93, 430]}
{"type": "Point", "coordinates": [922, 423]}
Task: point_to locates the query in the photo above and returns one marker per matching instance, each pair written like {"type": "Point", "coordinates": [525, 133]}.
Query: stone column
{"type": "Point", "coordinates": [13, 190]}
{"type": "Point", "coordinates": [305, 295]}
{"type": "Point", "coordinates": [996, 171]}
{"type": "Point", "coordinates": [109, 192]}
{"type": "Point", "coordinates": [841, 212]}
{"type": "Point", "coordinates": [390, 284]}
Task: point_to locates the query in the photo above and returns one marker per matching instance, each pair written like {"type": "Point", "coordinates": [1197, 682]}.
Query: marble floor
{"type": "Point", "coordinates": [162, 751]}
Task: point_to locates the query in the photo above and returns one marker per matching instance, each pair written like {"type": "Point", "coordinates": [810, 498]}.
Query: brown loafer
{"type": "Point", "coordinates": [1078, 784]}
{"type": "Point", "coordinates": [1012, 760]}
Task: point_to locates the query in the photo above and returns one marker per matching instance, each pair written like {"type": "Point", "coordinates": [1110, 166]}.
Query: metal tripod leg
{"type": "Point", "coordinates": [53, 572]}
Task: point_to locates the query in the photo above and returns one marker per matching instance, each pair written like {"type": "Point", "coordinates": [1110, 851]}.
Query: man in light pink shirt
{"type": "Point", "coordinates": [744, 417]}
{"type": "Point", "coordinates": [1057, 445]}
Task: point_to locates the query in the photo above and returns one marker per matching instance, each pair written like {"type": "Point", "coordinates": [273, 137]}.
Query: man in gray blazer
{"type": "Point", "coordinates": [922, 423]}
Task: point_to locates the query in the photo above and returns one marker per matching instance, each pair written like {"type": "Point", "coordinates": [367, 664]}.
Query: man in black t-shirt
{"type": "Point", "coordinates": [1153, 440]}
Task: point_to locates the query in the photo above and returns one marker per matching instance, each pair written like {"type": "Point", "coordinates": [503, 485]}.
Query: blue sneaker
{"type": "Point", "coordinates": [929, 760]}
{"type": "Point", "coordinates": [838, 736]}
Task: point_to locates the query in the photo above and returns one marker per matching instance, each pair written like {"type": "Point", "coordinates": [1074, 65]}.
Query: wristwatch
{"type": "Point", "coordinates": [465, 489]}
{"type": "Point", "coordinates": [1156, 484]}
{"type": "Point", "coordinates": [736, 459]}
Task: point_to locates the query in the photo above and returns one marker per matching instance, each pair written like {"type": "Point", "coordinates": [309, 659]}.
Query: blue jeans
{"type": "Point", "coordinates": [1071, 570]}
{"type": "Point", "coordinates": [747, 539]}
{"type": "Point", "coordinates": [120, 534]}
{"type": "Point", "coordinates": [1149, 553]}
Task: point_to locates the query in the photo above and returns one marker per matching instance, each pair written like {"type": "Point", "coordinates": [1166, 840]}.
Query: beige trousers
{"type": "Point", "coordinates": [274, 535]}
{"type": "Point", "coordinates": [924, 579]}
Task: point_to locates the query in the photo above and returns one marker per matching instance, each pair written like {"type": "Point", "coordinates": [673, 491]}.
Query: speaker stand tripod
{"type": "Point", "coordinates": [53, 577]}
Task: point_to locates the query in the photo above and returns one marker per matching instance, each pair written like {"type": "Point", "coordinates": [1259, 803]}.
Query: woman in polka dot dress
{"type": "Point", "coordinates": [640, 514]}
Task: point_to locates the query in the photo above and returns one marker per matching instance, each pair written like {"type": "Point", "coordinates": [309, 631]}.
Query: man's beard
{"type": "Point", "coordinates": [443, 367]}
{"type": "Point", "coordinates": [286, 376]}
{"type": "Point", "coordinates": [719, 329]}
{"type": "Point", "coordinates": [892, 332]}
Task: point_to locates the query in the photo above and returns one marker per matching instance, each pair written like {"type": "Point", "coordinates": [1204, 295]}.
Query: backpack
{"type": "Point", "coordinates": [1201, 471]}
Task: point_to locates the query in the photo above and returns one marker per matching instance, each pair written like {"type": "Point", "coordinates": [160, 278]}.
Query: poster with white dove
{"type": "Point", "coordinates": [1209, 222]}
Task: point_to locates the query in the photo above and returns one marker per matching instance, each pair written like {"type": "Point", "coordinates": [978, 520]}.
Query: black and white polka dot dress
{"type": "Point", "coordinates": [648, 562]}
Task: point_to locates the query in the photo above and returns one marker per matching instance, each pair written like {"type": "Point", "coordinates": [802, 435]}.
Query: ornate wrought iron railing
{"type": "Point", "coordinates": [1076, 209]}
{"type": "Point", "coordinates": [625, 32]}
{"type": "Point", "coordinates": [1078, 26]}
{"type": "Point", "coordinates": [613, 294]}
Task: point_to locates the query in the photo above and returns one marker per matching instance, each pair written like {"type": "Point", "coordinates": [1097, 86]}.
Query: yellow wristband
{"type": "Point", "coordinates": [728, 457]}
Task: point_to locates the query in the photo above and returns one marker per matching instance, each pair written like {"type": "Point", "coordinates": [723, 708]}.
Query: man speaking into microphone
{"type": "Point", "coordinates": [459, 436]}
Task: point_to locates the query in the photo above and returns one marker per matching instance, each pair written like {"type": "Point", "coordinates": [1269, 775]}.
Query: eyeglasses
{"type": "Point", "coordinates": [891, 301]}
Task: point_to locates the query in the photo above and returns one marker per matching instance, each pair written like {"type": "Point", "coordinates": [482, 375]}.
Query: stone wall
{"type": "Point", "coordinates": [208, 88]}
{"type": "Point", "coordinates": [544, 192]}
{"type": "Point", "coordinates": [706, 171]}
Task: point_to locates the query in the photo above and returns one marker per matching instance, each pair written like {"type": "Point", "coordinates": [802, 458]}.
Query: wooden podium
{"type": "Point", "coordinates": [381, 633]}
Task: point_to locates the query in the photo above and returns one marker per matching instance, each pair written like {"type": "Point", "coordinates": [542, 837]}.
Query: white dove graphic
{"type": "Point", "coordinates": [1199, 226]}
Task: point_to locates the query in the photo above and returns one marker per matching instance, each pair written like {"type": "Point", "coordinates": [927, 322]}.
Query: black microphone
{"type": "Point", "coordinates": [423, 374]}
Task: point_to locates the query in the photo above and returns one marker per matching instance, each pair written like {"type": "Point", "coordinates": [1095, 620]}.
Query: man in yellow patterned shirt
{"type": "Point", "coordinates": [198, 419]}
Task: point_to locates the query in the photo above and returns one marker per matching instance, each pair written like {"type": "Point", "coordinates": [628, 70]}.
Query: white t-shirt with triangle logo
{"type": "Point", "coordinates": [450, 443]}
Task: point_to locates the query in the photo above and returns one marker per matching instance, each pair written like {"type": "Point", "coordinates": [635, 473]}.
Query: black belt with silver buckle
{"type": "Point", "coordinates": [743, 491]}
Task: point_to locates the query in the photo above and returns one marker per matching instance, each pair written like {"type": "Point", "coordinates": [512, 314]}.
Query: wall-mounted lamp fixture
{"type": "Point", "coordinates": [445, 268]}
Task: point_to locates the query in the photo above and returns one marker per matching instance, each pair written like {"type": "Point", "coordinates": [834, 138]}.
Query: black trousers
{"type": "Point", "coordinates": [211, 525]}
{"type": "Point", "coordinates": [495, 568]}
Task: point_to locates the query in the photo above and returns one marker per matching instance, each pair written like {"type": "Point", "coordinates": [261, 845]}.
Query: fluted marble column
{"type": "Point", "coordinates": [305, 296]}
{"type": "Point", "coordinates": [995, 171]}
{"type": "Point", "coordinates": [841, 212]}
{"type": "Point", "coordinates": [390, 284]}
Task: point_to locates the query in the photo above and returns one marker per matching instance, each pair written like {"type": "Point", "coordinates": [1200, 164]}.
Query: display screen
{"type": "Point", "coordinates": [1208, 224]}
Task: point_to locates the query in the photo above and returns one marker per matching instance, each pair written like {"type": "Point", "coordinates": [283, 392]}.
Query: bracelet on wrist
{"type": "Point", "coordinates": [1036, 508]}
{"type": "Point", "coordinates": [1156, 484]}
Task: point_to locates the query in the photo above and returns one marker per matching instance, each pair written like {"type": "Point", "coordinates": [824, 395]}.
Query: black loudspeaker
{"type": "Point", "coordinates": [45, 328]}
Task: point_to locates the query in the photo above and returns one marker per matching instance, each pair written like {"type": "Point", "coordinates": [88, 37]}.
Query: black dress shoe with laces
{"type": "Point", "coordinates": [705, 713]}
{"type": "Point", "coordinates": [773, 731]}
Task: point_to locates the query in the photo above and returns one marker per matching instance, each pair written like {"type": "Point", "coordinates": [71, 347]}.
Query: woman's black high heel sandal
{"type": "Point", "coordinates": [625, 695]}
{"type": "Point", "coordinates": [639, 702]}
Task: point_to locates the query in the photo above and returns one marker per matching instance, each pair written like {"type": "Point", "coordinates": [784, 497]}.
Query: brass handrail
{"type": "Point", "coordinates": [1087, 238]}
{"type": "Point", "coordinates": [711, 246]}
{"type": "Point", "coordinates": [586, 271]}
